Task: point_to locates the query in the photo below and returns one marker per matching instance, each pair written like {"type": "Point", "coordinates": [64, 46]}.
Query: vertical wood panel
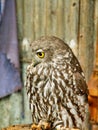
{"type": "Point", "coordinates": [16, 107]}
{"type": "Point", "coordinates": [71, 18]}
{"type": "Point", "coordinates": [54, 17]}
{"type": "Point", "coordinates": [4, 112]}
{"type": "Point", "coordinates": [60, 18]}
{"type": "Point", "coordinates": [26, 111]}
{"type": "Point", "coordinates": [19, 10]}
{"type": "Point", "coordinates": [95, 28]}
{"type": "Point", "coordinates": [43, 17]}
{"type": "Point", "coordinates": [86, 36]}
{"type": "Point", "coordinates": [48, 17]}
{"type": "Point", "coordinates": [11, 110]}
{"type": "Point", "coordinates": [28, 27]}
{"type": "Point", "coordinates": [37, 19]}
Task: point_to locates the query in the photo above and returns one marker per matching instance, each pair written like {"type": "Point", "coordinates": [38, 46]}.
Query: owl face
{"type": "Point", "coordinates": [46, 49]}
{"type": "Point", "coordinates": [41, 55]}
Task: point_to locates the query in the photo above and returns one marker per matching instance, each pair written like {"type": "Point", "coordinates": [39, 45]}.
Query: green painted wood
{"type": "Point", "coordinates": [26, 110]}
{"type": "Point", "coordinates": [11, 110]}
{"type": "Point", "coordinates": [19, 10]}
{"type": "Point", "coordinates": [28, 28]}
{"type": "Point", "coordinates": [4, 112]}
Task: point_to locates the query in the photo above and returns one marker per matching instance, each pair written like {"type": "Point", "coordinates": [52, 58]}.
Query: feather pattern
{"type": "Point", "coordinates": [56, 86]}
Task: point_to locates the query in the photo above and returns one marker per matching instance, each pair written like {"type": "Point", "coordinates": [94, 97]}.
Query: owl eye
{"type": "Point", "coordinates": [40, 54]}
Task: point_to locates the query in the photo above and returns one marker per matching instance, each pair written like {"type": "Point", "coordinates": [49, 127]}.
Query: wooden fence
{"type": "Point", "coordinates": [74, 21]}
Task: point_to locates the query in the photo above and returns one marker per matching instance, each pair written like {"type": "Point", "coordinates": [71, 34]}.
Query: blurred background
{"type": "Point", "coordinates": [74, 21]}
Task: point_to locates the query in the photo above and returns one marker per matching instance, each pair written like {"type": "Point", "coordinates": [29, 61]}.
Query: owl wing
{"type": "Point", "coordinates": [81, 83]}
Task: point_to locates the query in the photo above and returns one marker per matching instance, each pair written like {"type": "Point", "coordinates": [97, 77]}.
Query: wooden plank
{"type": "Point", "coordinates": [29, 127]}
{"type": "Point", "coordinates": [43, 17]}
{"type": "Point", "coordinates": [28, 21]}
{"type": "Point", "coordinates": [19, 17]}
{"type": "Point", "coordinates": [19, 13]}
{"type": "Point", "coordinates": [18, 127]}
{"type": "Point", "coordinates": [26, 110]}
{"type": "Point", "coordinates": [48, 17]}
{"type": "Point", "coordinates": [60, 19]}
{"type": "Point", "coordinates": [86, 36]}
{"type": "Point", "coordinates": [96, 30]}
{"type": "Point", "coordinates": [8, 112]}
{"type": "Point", "coordinates": [54, 17]}
{"type": "Point", "coordinates": [95, 127]}
{"type": "Point", "coordinates": [71, 21]}
{"type": "Point", "coordinates": [37, 18]}
{"type": "Point", "coordinates": [93, 82]}
{"type": "Point", "coordinates": [28, 29]}
{"type": "Point", "coordinates": [4, 112]}
{"type": "Point", "coordinates": [16, 108]}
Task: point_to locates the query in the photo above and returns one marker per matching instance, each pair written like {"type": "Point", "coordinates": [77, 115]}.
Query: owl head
{"type": "Point", "coordinates": [48, 48]}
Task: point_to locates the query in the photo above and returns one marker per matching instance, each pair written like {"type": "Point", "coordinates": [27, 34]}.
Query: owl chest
{"type": "Point", "coordinates": [43, 99]}
{"type": "Point", "coordinates": [42, 91]}
{"type": "Point", "coordinates": [49, 90]}
{"type": "Point", "coordinates": [53, 98]}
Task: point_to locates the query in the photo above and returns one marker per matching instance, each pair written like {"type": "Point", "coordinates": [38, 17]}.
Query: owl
{"type": "Point", "coordinates": [56, 86]}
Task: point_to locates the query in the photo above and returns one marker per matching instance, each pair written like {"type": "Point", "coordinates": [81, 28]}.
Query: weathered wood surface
{"type": "Point", "coordinates": [29, 127]}
{"type": "Point", "coordinates": [93, 85]}
{"type": "Point", "coordinates": [18, 127]}
{"type": "Point", "coordinates": [33, 127]}
{"type": "Point", "coordinates": [71, 20]}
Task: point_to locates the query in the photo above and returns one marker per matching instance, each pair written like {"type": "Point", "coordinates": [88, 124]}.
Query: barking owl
{"type": "Point", "coordinates": [56, 85]}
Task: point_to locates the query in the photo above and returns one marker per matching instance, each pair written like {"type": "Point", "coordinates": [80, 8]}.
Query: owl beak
{"type": "Point", "coordinates": [35, 63]}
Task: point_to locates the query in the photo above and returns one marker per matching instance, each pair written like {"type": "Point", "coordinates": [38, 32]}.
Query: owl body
{"type": "Point", "coordinates": [56, 86]}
